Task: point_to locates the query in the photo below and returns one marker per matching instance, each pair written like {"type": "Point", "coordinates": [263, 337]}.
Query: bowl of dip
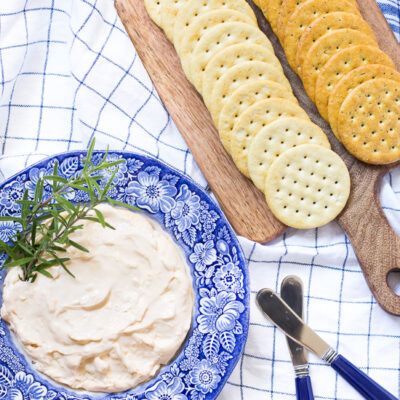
{"type": "Point", "coordinates": [158, 308]}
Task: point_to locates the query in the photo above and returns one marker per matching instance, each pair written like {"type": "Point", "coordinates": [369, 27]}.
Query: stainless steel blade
{"type": "Point", "coordinates": [292, 294]}
{"type": "Point", "coordinates": [285, 319]}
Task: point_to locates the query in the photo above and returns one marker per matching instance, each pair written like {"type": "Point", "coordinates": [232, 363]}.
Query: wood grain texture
{"type": "Point", "coordinates": [376, 244]}
{"type": "Point", "coordinates": [386, 39]}
{"type": "Point", "coordinates": [242, 203]}
{"type": "Point", "coordinates": [374, 241]}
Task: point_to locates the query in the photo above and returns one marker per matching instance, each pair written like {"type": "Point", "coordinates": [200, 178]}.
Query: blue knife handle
{"type": "Point", "coordinates": [304, 388]}
{"type": "Point", "coordinates": [360, 381]}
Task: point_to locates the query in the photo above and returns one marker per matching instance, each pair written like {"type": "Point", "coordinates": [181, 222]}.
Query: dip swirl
{"type": "Point", "coordinates": [123, 316]}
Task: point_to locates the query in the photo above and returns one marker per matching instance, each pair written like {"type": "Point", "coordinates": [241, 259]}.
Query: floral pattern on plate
{"type": "Point", "coordinates": [218, 268]}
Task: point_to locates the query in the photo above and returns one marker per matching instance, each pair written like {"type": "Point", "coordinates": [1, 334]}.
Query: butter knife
{"type": "Point", "coordinates": [292, 294]}
{"type": "Point", "coordinates": [285, 319]}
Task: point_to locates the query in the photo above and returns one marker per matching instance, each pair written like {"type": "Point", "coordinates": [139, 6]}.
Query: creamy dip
{"type": "Point", "coordinates": [125, 314]}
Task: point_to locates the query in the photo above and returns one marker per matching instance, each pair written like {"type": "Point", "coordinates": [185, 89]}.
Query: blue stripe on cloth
{"type": "Point", "coordinates": [68, 72]}
{"type": "Point", "coordinates": [391, 10]}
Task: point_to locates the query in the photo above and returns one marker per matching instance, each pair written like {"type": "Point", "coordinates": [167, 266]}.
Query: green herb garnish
{"type": "Point", "coordinates": [47, 224]}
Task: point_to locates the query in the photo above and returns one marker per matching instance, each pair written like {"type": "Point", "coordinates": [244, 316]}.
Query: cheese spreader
{"type": "Point", "coordinates": [292, 294]}
{"type": "Point", "coordinates": [286, 319]}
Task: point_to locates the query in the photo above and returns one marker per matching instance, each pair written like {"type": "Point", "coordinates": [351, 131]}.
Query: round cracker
{"type": "Point", "coordinates": [154, 8]}
{"type": "Point", "coordinates": [231, 56]}
{"type": "Point", "coordinates": [192, 9]}
{"type": "Point", "coordinates": [218, 38]}
{"type": "Point", "coordinates": [304, 15]}
{"type": "Point", "coordinates": [242, 99]}
{"type": "Point", "coordinates": [287, 10]}
{"type": "Point", "coordinates": [253, 120]}
{"type": "Point", "coordinates": [339, 65]}
{"type": "Point", "coordinates": [352, 80]}
{"type": "Point", "coordinates": [323, 49]}
{"type": "Point", "coordinates": [307, 186]}
{"type": "Point", "coordinates": [275, 139]}
{"type": "Point", "coordinates": [328, 23]}
{"type": "Point", "coordinates": [170, 9]}
{"type": "Point", "coordinates": [369, 121]}
{"type": "Point", "coordinates": [237, 76]}
{"type": "Point", "coordinates": [270, 9]}
{"type": "Point", "coordinates": [201, 25]}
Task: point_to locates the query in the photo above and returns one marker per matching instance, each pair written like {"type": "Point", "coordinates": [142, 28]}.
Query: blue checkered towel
{"type": "Point", "coordinates": [69, 72]}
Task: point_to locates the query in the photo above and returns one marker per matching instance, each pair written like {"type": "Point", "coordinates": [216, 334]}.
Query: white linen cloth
{"type": "Point", "coordinates": [68, 72]}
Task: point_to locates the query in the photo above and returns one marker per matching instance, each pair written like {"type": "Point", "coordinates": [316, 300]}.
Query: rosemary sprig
{"type": "Point", "coordinates": [47, 223]}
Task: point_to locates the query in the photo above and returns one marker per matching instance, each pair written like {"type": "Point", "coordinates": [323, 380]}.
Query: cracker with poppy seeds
{"type": "Point", "coordinates": [369, 121]}
{"type": "Point", "coordinates": [323, 49]}
{"type": "Point", "coordinates": [270, 9]}
{"type": "Point", "coordinates": [287, 10]}
{"type": "Point", "coordinates": [342, 63]}
{"type": "Point", "coordinates": [350, 81]}
{"type": "Point", "coordinates": [329, 23]}
{"type": "Point", "coordinates": [304, 16]}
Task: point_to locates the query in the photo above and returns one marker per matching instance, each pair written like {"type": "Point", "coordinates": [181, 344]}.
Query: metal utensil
{"type": "Point", "coordinates": [286, 320]}
{"type": "Point", "coordinates": [292, 294]}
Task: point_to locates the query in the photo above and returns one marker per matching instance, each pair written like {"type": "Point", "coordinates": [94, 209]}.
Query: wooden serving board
{"type": "Point", "coordinates": [374, 241]}
{"type": "Point", "coordinates": [243, 204]}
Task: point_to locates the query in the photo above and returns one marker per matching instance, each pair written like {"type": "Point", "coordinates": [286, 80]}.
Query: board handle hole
{"type": "Point", "coordinates": [393, 280]}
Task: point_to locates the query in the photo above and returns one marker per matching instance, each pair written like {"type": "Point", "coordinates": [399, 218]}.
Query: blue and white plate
{"type": "Point", "coordinates": [217, 265]}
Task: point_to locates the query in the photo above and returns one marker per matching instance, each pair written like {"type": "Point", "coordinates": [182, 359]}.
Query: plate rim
{"type": "Point", "coordinates": [239, 347]}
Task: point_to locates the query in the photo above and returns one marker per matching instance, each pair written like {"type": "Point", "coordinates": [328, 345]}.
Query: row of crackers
{"type": "Point", "coordinates": [261, 125]}
{"type": "Point", "coordinates": [353, 83]}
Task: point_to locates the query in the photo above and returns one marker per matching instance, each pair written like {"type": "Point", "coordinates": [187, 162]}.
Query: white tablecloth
{"type": "Point", "coordinates": [69, 72]}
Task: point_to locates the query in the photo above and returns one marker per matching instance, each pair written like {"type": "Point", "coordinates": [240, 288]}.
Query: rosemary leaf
{"type": "Point", "coordinates": [77, 245]}
{"type": "Point", "coordinates": [11, 219]}
{"type": "Point", "coordinates": [18, 262]}
{"type": "Point", "coordinates": [42, 271]}
{"type": "Point", "coordinates": [100, 217]}
{"type": "Point", "coordinates": [52, 262]}
{"type": "Point", "coordinates": [54, 247]}
{"type": "Point", "coordinates": [38, 191]}
{"type": "Point", "coordinates": [56, 178]}
{"type": "Point", "coordinates": [67, 270]}
{"type": "Point", "coordinates": [120, 204]}
{"type": "Point", "coordinates": [25, 248]}
{"type": "Point", "coordinates": [49, 221]}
